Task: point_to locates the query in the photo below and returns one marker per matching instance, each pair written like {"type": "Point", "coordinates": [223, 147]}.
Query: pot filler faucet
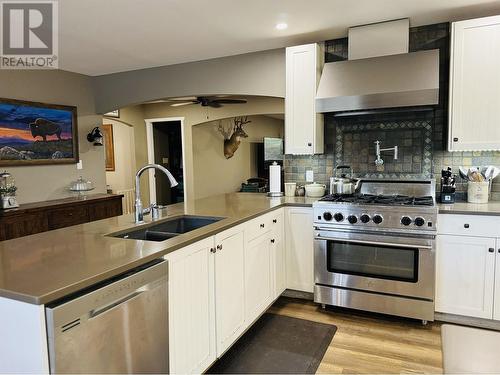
{"type": "Point", "coordinates": [153, 208]}
{"type": "Point", "coordinates": [379, 160]}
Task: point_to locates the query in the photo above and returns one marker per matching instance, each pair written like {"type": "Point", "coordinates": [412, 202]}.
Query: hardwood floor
{"type": "Point", "coordinates": [371, 343]}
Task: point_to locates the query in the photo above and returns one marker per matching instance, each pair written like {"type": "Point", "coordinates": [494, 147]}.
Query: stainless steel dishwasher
{"type": "Point", "coordinates": [118, 326]}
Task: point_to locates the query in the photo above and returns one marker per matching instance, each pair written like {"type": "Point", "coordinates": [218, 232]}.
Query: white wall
{"type": "Point", "coordinates": [195, 114]}
{"type": "Point", "coordinates": [213, 173]}
{"type": "Point", "coordinates": [122, 178]}
{"type": "Point", "coordinates": [259, 73]}
{"type": "Point", "coordinates": [44, 182]}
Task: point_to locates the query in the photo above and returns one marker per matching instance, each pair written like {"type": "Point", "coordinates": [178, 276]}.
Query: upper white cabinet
{"type": "Point", "coordinates": [303, 126]}
{"type": "Point", "coordinates": [474, 120]}
{"type": "Point", "coordinates": [299, 249]}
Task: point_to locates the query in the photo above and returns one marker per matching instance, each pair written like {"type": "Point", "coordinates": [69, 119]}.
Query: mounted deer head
{"type": "Point", "coordinates": [233, 134]}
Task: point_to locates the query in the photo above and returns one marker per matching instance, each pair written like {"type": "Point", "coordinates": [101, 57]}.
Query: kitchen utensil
{"type": "Point", "coordinates": [448, 186]}
{"type": "Point", "coordinates": [315, 190]}
{"type": "Point", "coordinates": [345, 184]}
{"type": "Point", "coordinates": [463, 173]}
{"type": "Point", "coordinates": [290, 188]}
{"type": "Point", "coordinates": [301, 191]}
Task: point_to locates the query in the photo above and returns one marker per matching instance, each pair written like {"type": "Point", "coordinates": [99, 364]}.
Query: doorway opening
{"type": "Point", "coordinates": [165, 147]}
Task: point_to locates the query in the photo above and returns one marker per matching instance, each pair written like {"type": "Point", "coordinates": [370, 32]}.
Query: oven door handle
{"type": "Point", "coordinates": [420, 247]}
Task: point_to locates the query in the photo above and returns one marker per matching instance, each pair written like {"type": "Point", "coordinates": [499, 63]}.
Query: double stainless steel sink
{"type": "Point", "coordinates": [169, 228]}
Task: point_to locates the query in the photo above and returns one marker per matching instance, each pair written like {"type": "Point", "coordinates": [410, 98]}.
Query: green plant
{"type": "Point", "coordinates": [8, 190]}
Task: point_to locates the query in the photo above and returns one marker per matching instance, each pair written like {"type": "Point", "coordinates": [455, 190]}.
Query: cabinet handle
{"type": "Point", "coordinates": [455, 139]}
{"type": "Point", "coordinates": [499, 250]}
{"type": "Point", "coordinates": [309, 144]}
{"type": "Point", "coordinates": [219, 247]}
{"type": "Point", "coordinates": [262, 225]}
{"type": "Point", "coordinates": [466, 225]}
{"type": "Point", "coordinates": [491, 250]}
{"type": "Point", "coordinates": [275, 221]}
{"type": "Point", "coordinates": [272, 241]}
{"type": "Point", "coordinates": [212, 250]}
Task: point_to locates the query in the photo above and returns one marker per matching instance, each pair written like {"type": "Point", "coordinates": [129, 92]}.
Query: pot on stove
{"type": "Point", "coordinates": [343, 184]}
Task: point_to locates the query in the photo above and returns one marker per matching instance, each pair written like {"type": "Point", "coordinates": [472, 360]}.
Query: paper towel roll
{"type": "Point", "coordinates": [275, 178]}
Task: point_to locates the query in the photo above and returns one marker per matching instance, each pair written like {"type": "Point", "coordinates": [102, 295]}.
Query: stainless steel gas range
{"type": "Point", "coordinates": [375, 250]}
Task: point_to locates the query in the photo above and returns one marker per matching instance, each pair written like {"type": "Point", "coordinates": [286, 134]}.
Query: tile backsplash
{"type": "Point", "coordinates": [419, 133]}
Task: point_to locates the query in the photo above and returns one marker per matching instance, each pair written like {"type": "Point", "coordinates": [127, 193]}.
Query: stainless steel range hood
{"type": "Point", "coordinates": [399, 80]}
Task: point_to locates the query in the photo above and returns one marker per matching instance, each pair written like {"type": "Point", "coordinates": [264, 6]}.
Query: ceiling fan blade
{"type": "Point", "coordinates": [184, 99]}
{"type": "Point", "coordinates": [214, 104]}
{"type": "Point", "coordinates": [181, 104]}
{"type": "Point", "coordinates": [230, 101]}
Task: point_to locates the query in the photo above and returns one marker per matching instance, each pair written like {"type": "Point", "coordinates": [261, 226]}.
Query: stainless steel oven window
{"type": "Point", "coordinates": [372, 260]}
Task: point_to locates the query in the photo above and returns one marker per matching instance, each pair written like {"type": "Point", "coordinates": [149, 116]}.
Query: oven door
{"type": "Point", "coordinates": [374, 262]}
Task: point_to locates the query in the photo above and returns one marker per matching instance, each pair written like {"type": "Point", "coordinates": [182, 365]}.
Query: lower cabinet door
{"type": "Point", "coordinates": [465, 272]}
{"type": "Point", "coordinates": [496, 307]}
{"type": "Point", "coordinates": [229, 287]}
{"type": "Point", "coordinates": [299, 249]}
{"type": "Point", "coordinates": [278, 253]}
{"type": "Point", "coordinates": [259, 285]}
{"type": "Point", "coordinates": [192, 345]}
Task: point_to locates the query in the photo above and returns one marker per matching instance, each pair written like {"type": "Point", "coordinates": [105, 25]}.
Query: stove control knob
{"type": "Point", "coordinates": [405, 220]}
{"type": "Point", "coordinates": [352, 219]}
{"type": "Point", "coordinates": [328, 216]}
{"type": "Point", "coordinates": [364, 218]}
{"type": "Point", "coordinates": [419, 221]}
{"type": "Point", "coordinates": [377, 219]}
{"type": "Point", "coordinates": [338, 216]}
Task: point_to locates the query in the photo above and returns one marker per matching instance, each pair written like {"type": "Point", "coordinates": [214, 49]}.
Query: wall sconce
{"type": "Point", "coordinates": [95, 136]}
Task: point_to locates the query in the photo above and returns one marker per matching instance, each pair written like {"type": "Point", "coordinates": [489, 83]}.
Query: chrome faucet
{"type": "Point", "coordinates": [379, 160]}
{"type": "Point", "coordinates": [153, 208]}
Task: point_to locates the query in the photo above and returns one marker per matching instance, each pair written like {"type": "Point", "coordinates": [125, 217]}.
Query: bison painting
{"type": "Point", "coordinates": [36, 133]}
{"type": "Point", "coordinates": [43, 128]}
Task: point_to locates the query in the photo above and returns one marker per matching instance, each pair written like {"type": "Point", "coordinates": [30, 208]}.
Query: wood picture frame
{"type": "Point", "coordinates": [109, 147]}
{"type": "Point", "coordinates": [33, 133]}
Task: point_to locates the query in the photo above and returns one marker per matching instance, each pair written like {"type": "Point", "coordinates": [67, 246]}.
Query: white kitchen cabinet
{"type": "Point", "coordinates": [475, 85]}
{"type": "Point", "coordinates": [303, 126]}
{"type": "Point", "coordinates": [496, 296]}
{"type": "Point", "coordinates": [192, 344]}
{"type": "Point", "coordinates": [465, 275]}
{"type": "Point", "coordinates": [299, 249]}
{"type": "Point", "coordinates": [278, 251]}
{"type": "Point", "coordinates": [259, 275]}
{"type": "Point", "coordinates": [229, 287]}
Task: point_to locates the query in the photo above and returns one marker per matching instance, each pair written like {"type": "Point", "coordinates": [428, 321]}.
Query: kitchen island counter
{"type": "Point", "coordinates": [42, 268]}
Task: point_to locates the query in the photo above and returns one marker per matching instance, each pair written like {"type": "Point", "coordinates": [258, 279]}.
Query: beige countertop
{"type": "Point", "coordinates": [491, 208]}
{"type": "Point", "coordinates": [44, 267]}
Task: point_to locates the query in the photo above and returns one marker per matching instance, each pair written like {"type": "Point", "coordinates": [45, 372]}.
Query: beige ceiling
{"type": "Point", "coordinates": [105, 36]}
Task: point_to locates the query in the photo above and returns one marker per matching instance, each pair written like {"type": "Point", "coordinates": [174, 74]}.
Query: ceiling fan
{"type": "Point", "coordinates": [206, 101]}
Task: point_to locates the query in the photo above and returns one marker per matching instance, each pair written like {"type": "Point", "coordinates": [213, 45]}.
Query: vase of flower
{"type": "Point", "coordinates": [8, 190]}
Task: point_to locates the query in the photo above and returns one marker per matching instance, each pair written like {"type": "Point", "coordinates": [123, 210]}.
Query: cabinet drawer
{"type": "Point", "coordinates": [22, 225]}
{"type": "Point", "coordinates": [65, 217]}
{"type": "Point", "coordinates": [469, 225]}
{"type": "Point", "coordinates": [257, 227]}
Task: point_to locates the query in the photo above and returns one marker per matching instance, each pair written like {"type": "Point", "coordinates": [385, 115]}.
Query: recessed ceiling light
{"type": "Point", "coordinates": [281, 26]}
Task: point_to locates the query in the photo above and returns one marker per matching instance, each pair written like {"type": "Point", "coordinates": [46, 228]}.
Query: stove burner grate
{"type": "Point", "coordinates": [391, 200]}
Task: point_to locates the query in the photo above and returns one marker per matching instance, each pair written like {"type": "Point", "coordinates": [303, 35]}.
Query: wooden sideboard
{"type": "Point", "coordinates": [39, 217]}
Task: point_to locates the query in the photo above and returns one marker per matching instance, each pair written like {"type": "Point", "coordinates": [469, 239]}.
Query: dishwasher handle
{"type": "Point", "coordinates": [96, 312]}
